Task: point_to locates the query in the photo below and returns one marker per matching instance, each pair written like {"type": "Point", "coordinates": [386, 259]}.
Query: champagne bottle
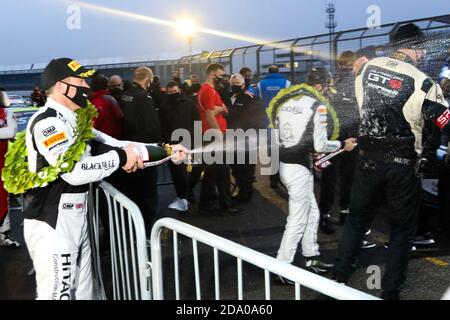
{"type": "Point", "coordinates": [151, 153]}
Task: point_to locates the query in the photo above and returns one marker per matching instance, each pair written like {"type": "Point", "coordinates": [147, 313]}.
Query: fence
{"type": "Point", "coordinates": [296, 56]}
{"type": "Point", "coordinates": [293, 56]}
{"type": "Point", "coordinates": [242, 254]}
{"type": "Point", "coordinates": [130, 270]}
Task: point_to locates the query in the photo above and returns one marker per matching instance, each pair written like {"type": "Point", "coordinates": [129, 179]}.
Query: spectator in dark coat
{"type": "Point", "coordinates": [178, 112]}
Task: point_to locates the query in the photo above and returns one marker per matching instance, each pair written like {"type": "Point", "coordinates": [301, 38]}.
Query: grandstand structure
{"type": "Point", "coordinates": [293, 56]}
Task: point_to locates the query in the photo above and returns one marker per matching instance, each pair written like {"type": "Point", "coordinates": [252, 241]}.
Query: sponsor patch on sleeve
{"type": "Point", "coordinates": [322, 110]}
{"type": "Point", "coordinates": [49, 131]}
{"type": "Point", "coordinates": [322, 114]}
{"type": "Point", "coordinates": [54, 139]}
{"type": "Point", "coordinates": [443, 119]}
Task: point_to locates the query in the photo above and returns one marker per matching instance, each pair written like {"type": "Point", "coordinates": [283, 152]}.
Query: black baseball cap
{"type": "Point", "coordinates": [59, 69]}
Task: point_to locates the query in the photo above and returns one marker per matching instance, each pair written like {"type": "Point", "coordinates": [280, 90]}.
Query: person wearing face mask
{"type": "Point", "coordinates": [115, 87]}
{"type": "Point", "coordinates": [395, 99]}
{"type": "Point", "coordinates": [247, 74]}
{"type": "Point", "coordinates": [301, 115]}
{"type": "Point", "coordinates": [141, 123]}
{"type": "Point", "coordinates": [55, 179]}
{"type": "Point", "coordinates": [178, 112]}
{"type": "Point", "coordinates": [212, 110]}
{"type": "Point", "coordinates": [224, 90]}
{"type": "Point", "coordinates": [55, 228]}
{"type": "Point", "coordinates": [109, 119]}
{"type": "Point", "coordinates": [195, 85]}
{"type": "Point", "coordinates": [246, 112]}
{"type": "Point", "coordinates": [380, 51]}
{"type": "Point", "coordinates": [191, 87]}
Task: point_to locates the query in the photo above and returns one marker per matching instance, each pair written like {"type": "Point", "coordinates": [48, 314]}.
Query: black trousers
{"type": "Point", "coordinates": [400, 189]}
{"type": "Point", "coordinates": [341, 170]}
{"type": "Point", "coordinates": [244, 175]}
{"type": "Point", "coordinates": [422, 219]}
{"type": "Point", "coordinates": [141, 188]}
{"type": "Point", "coordinates": [216, 176]}
{"type": "Point", "coordinates": [195, 175]}
{"type": "Point", "coordinates": [444, 196]}
{"type": "Point", "coordinates": [179, 178]}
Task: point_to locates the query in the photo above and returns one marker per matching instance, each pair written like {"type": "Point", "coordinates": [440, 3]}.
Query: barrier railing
{"type": "Point", "coordinates": [293, 56]}
{"type": "Point", "coordinates": [130, 268]}
{"type": "Point", "coordinates": [268, 264]}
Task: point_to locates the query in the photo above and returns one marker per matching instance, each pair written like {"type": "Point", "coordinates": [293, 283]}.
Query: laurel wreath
{"type": "Point", "coordinates": [16, 174]}
{"type": "Point", "coordinates": [292, 92]}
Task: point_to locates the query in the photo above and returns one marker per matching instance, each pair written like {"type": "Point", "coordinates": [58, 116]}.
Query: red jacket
{"type": "Point", "coordinates": [110, 115]}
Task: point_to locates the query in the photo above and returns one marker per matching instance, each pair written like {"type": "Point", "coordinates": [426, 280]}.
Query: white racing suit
{"type": "Point", "coordinates": [302, 125]}
{"type": "Point", "coordinates": [55, 226]}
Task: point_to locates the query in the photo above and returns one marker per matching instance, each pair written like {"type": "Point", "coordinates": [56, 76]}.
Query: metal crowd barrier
{"type": "Point", "coordinates": [131, 271]}
{"type": "Point", "coordinates": [269, 264]}
{"type": "Point", "coordinates": [130, 268]}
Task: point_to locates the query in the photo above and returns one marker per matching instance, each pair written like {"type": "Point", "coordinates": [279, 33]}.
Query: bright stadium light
{"type": "Point", "coordinates": [187, 28]}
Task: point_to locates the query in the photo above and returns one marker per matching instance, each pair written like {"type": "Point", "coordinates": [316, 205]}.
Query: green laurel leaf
{"type": "Point", "coordinates": [16, 174]}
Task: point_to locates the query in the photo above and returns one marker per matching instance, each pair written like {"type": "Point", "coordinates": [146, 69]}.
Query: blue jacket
{"type": "Point", "coordinates": [270, 86]}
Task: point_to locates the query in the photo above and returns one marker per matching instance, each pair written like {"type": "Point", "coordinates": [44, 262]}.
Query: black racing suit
{"type": "Point", "coordinates": [444, 182]}
{"type": "Point", "coordinates": [395, 99]}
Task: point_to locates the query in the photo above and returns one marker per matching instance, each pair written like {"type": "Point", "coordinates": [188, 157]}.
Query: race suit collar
{"type": "Point", "coordinates": [65, 112]}
{"type": "Point", "coordinates": [398, 55]}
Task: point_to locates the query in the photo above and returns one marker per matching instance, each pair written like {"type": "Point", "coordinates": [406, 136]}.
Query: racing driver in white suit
{"type": "Point", "coordinates": [301, 114]}
{"type": "Point", "coordinates": [55, 226]}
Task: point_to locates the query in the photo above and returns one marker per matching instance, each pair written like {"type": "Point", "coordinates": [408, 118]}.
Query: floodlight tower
{"type": "Point", "coordinates": [331, 25]}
